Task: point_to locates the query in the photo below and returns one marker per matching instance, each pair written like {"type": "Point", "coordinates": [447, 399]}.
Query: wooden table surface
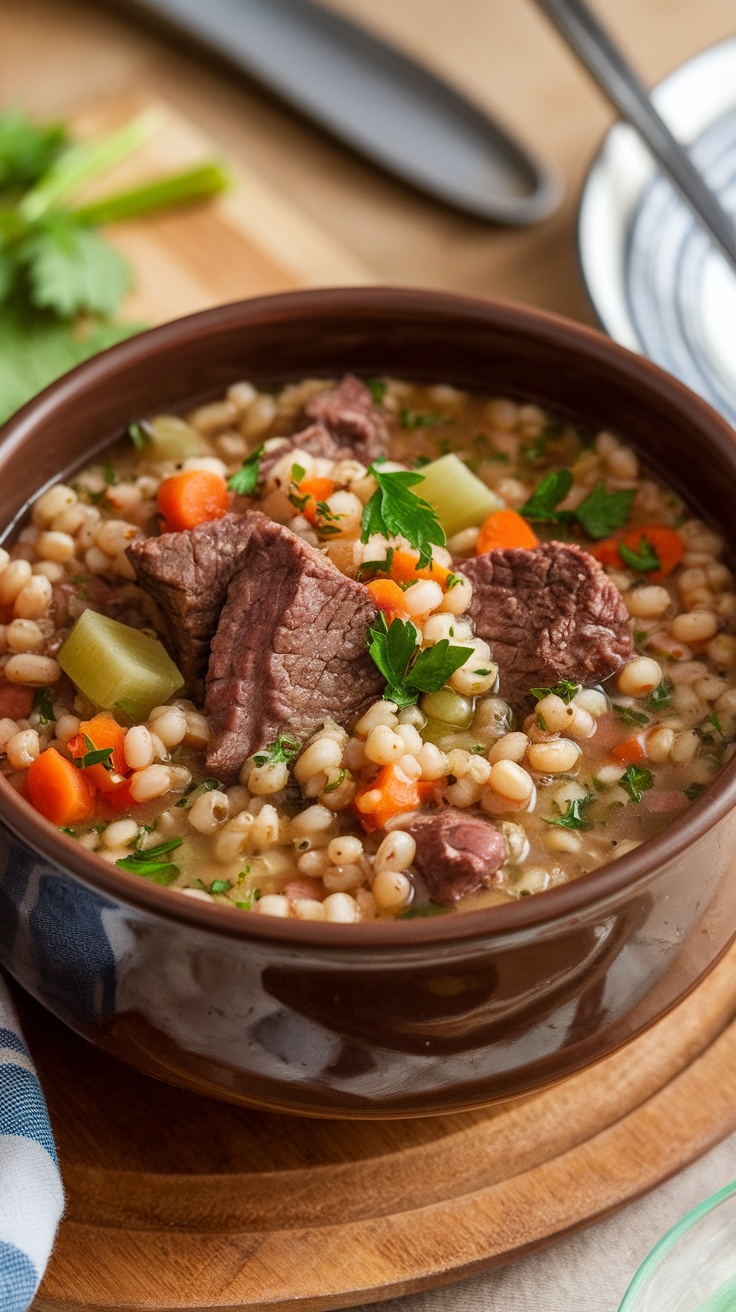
{"type": "Point", "coordinates": [57, 54]}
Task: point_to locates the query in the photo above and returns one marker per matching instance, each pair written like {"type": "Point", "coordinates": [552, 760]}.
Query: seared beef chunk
{"type": "Point", "coordinates": [315, 439]}
{"type": "Point", "coordinates": [549, 614]}
{"type": "Point", "coordinates": [456, 853]}
{"type": "Point", "coordinates": [188, 575]}
{"type": "Point", "coordinates": [349, 414]}
{"type": "Point", "coordinates": [290, 649]}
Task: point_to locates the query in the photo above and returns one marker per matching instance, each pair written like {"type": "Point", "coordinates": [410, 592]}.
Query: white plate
{"type": "Point", "coordinates": [653, 278]}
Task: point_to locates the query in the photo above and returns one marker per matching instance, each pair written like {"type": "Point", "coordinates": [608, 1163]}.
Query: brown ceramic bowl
{"type": "Point", "coordinates": [380, 1019]}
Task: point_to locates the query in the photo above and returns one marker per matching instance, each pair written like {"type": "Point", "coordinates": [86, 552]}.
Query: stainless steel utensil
{"type": "Point", "coordinates": [373, 97]}
{"type": "Point", "coordinates": [594, 47]}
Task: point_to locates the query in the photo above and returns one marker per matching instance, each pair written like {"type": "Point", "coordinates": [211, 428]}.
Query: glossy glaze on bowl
{"type": "Point", "coordinates": [380, 1019]}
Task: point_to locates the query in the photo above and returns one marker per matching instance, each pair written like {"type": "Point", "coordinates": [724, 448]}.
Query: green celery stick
{"type": "Point", "coordinates": [459, 499]}
{"type": "Point", "coordinates": [188, 188]}
{"type": "Point", "coordinates": [83, 161]}
{"type": "Point", "coordinates": [118, 667]}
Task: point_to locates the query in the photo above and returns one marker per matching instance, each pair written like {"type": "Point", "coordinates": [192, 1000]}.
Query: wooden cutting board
{"type": "Point", "coordinates": [174, 1201]}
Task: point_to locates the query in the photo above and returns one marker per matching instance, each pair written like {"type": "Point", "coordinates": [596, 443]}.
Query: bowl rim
{"type": "Point", "coordinates": [668, 1241]}
{"type": "Point", "coordinates": [590, 893]}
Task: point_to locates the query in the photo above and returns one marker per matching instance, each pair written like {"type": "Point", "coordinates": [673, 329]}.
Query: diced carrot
{"type": "Point", "coordinates": [505, 528]}
{"type": "Point", "coordinates": [314, 489]}
{"type": "Point", "coordinates": [119, 802]}
{"type": "Point", "coordinates": [389, 598]}
{"type": "Point", "coordinates": [103, 731]}
{"type": "Point", "coordinates": [667, 543]}
{"type": "Point", "coordinates": [397, 794]}
{"type": "Point", "coordinates": [16, 701]}
{"type": "Point", "coordinates": [405, 569]}
{"type": "Point", "coordinates": [606, 553]}
{"type": "Point", "coordinates": [631, 751]}
{"type": "Point", "coordinates": [58, 790]}
{"type": "Point", "coordinates": [192, 497]}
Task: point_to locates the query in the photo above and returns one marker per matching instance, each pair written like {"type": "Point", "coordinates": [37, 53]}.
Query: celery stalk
{"type": "Point", "coordinates": [458, 497]}
{"type": "Point", "coordinates": [83, 161]}
{"type": "Point", "coordinates": [118, 667]}
{"type": "Point", "coordinates": [170, 438]}
{"type": "Point", "coordinates": [187, 188]}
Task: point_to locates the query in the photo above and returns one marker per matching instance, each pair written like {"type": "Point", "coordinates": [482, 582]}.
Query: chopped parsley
{"type": "Point", "coordinates": [627, 715]}
{"type": "Point", "coordinates": [415, 419]}
{"type": "Point", "coordinates": [713, 719]}
{"type": "Point", "coordinates": [220, 886]}
{"type": "Point", "coordinates": [109, 473]}
{"type": "Point", "coordinates": [250, 898]}
{"type": "Point", "coordinates": [370, 568]}
{"type": "Point", "coordinates": [636, 781]}
{"type": "Point", "coordinates": [599, 514]}
{"type": "Point", "coordinates": [602, 512]}
{"type": "Point", "coordinates": [43, 704]}
{"type": "Point", "coordinates": [335, 783]}
{"type": "Point", "coordinates": [283, 749]}
{"type": "Point", "coordinates": [662, 695]}
{"type": "Point", "coordinates": [245, 479]}
{"type": "Point", "coordinates": [563, 689]}
{"type": "Point", "coordinates": [573, 817]}
{"type": "Point", "coordinates": [139, 434]}
{"type": "Point", "coordinates": [394, 510]}
{"type": "Point", "coordinates": [535, 450]}
{"type": "Point", "coordinates": [149, 864]}
{"type": "Point", "coordinates": [94, 756]}
{"type": "Point", "coordinates": [407, 673]}
{"type": "Point", "coordinates": [377, 388]}
{"type": "Point", "coordinates": [643, 559]}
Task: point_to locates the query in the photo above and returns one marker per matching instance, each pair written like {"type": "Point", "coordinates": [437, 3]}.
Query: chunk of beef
{"type": "Point", "coordinates": [549, 614]}
{"type": "Point", "coordinates": [188, 575]}
{"type": "Point", "coordinates": [290, 649]}
{"type": "Point", "coordinates": [349, 414]}
{"type": "Point", "coordinates": [456, 853]}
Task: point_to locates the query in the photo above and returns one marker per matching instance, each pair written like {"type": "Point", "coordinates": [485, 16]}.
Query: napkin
{"type": "Point", "coordinates": [31, 1194]}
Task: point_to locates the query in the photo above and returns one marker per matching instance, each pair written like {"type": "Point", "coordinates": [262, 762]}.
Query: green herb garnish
{"type": "Point", "coordinates": [693, 791]}
{"type": "Point", "coordinates": [283, 749]}
{"type": "Point", "coordinates": [245, 479]}
{"type": "Point", "coordinates": [377, 388]}
{"type": "Point", "coordinates": [628, 715]}
{"type": "Point", "coordinates": [370, 568]}
{"type": "Point", "coordinates": [662, 695]}
{"type": "Point", "coordinates": [335, 783]}
{"type": "Point", "coordinates": [139, 434]}
{"type": "Point", "coordinates": [643, 559]}
{"type": "Point", "coordinates": [148, 864]}
{"type": "Point", "coordinates": [601, 513]}
{"type": "Point", "coordinates": [713, 719]}
{"type": "Point", "coordinates": [394, 510]}
{"type": "Point", "coordinates": [542, 504]}
{"type": "Point", "coordinates": [636, 781]}
{"type": "Point", "coordinates": [564, 689]}
{"type": "Point", "coordinates": [250, 898]}
{"type": "Point", "coordinates": [94, 756]}
{"type": "Point", "coordinates": [573, 816]}
{"type": "Point", "coordinates": [415, 419]}
{"type": "Point", "coordinates": [43, 704]}
{"type": "Point", "coordinates": [407, 673]}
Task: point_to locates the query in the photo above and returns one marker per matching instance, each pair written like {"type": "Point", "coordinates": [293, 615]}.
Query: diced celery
{"type": "Point", "coordinates": [460, 499]}
{"type": "Point", "coordinates": [118, 667]}
{"type": "Point", "coordinates": [170, 438]}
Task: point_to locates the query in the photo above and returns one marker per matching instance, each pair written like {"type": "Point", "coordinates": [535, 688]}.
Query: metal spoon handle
{"type": "Point", "coordinates": [595, 49]}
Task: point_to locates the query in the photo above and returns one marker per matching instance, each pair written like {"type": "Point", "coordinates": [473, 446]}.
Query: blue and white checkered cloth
{"type": "Point", "coordinates": [31, 1194]}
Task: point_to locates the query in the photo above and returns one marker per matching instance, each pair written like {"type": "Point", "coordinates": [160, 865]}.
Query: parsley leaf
{"type": "Point", "coordinates": [43, 704]}
{"type": "Point", "coordinates": [334, 784]}
{"type": "Point", "coordinates": [713, 719]}
{"type": "Point", "coordinates": [643, 559]}
{"type": "Point", "coordinates": [563, 689]}
{"type": "Point", "coordinates": [636, 781]}
{"type": "Point", "coordinates": [250, 898]}
{"type": "Point", "coordinates": [377, 388]}
{"type": "Point", "coordinates": [602, 512]}
{"type": "Point", "coordinates": [415, 419]}
{"type": "Point", "coordinates": [370, 568]}
{"type": "Point", "coordinates": [573, 816]}
{"type": "Point", "coordinates": [547, 495]}
{"type": "Point", "coordinates": [27, 149]}
{"type": "Point", "coordinates": [94, 756]}
{"type": "Point", "coordinates": [662, 695]}
{"type": "Point", "coordinates": [407, 673]}
{"type": "Point", "coordinates": [627, 715]}
{"type": "Point", "coordinates": [139, 434]}
{"type": "Point", "coordinates": [71, 270]}
{"type": "Point", "coordinates": [284, 749]}
{"type": "Point", "coordinates": [244, 480]}
{"type": "Point", "coordinates": [148, 865]}
{"type": "Point", "coordinates": [394, 510]}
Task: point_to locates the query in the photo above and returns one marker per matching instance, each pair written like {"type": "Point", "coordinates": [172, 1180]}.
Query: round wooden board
{"type": "Point", "coordinates": [175, 1201]}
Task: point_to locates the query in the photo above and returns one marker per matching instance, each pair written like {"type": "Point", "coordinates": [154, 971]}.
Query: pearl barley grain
{"type": "Point", "coordinates": [639, 677]}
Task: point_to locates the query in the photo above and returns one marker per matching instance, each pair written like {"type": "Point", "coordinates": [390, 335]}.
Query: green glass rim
{"type": "Point", "coordinates": [669, 1239]}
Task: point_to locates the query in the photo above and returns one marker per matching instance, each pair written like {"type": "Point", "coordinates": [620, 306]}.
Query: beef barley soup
{"type": "Point", "coordinates": [358, 650]}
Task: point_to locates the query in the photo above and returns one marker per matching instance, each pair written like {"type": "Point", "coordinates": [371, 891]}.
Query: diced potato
{"type": "Point", "coordinates": [118, 667]}
{"type": "Point", "coordinates": [459, 498]}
